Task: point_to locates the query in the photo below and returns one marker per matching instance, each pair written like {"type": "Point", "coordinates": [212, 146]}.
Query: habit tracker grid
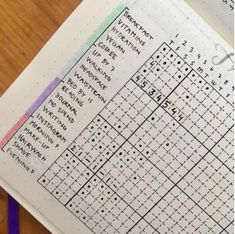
{"type": "Point", "coordinates": [141, 165]}
{"type": "Point", "coordinates": [156, 159]}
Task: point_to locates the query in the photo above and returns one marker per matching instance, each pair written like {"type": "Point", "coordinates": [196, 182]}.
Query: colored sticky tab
{"type": "Point", "coordinates": [43, 96]}
{"type": "Point", "coordinates": [13, 130]}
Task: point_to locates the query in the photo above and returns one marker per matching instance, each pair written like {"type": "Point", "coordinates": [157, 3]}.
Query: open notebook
{"type": "Point", "coordinates": [123, 123]}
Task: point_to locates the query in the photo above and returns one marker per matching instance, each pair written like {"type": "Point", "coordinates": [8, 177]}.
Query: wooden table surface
{"type": "Point", "coordinates": [25, 26]}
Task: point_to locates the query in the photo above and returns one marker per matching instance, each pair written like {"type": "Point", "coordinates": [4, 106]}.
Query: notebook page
{"type": "Point", "coordinates": [219, 14]}
{"type": "Point", "coordinates": [124, 124]}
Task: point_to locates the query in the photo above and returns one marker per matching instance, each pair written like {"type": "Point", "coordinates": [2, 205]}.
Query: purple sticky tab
{"type": "Point", "coordinates": [43, 96]}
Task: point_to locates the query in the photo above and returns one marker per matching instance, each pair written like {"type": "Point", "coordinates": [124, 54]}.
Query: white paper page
{"type": "Point", "coordinates": [131, 130]}
{"type": "Point", "coordinates": [219, 14]}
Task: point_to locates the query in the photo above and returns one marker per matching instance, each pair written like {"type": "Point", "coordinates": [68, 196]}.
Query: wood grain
{"type": "Point", "coordinates": [25, 26]}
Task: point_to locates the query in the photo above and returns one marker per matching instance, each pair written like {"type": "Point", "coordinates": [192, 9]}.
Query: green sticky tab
{"type": "Point", "coordinates": [117, 11]}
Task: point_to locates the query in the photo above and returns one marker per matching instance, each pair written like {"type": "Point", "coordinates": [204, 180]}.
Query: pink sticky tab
{"type": "Point", "coordinates": [13, 130]}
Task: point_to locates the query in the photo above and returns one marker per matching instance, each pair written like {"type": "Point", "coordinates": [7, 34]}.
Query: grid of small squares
{"type": "Point", "coordinates": [96, 143]}
{"type": "Point", "coordinates": [146, 163]}
{"type": "Point", "coordinates": [224, 150]}
{"type": "Point", "coordinates": [135, 179]}
{"type": "Point", "coordinates": [97, 206]}
{"type": "Point", "coordinates": [142, 227]}
{"type": "Point", "coordinates": [228, 229]}
{"type": "Point", "coordinates": [128, 109]}
{"type": "Point", "coordinates": [167, 145]}
{"type": "Point", "coordinates": [161, 73]}
{"type": "Point", "coordinates": [65, 177]}
{"type": "Point", "coordinates": [176, 213]}
{"type": "Point", "coordinates": [208, 116]}
{"type": "Point", "coordinates": [210, 185]}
